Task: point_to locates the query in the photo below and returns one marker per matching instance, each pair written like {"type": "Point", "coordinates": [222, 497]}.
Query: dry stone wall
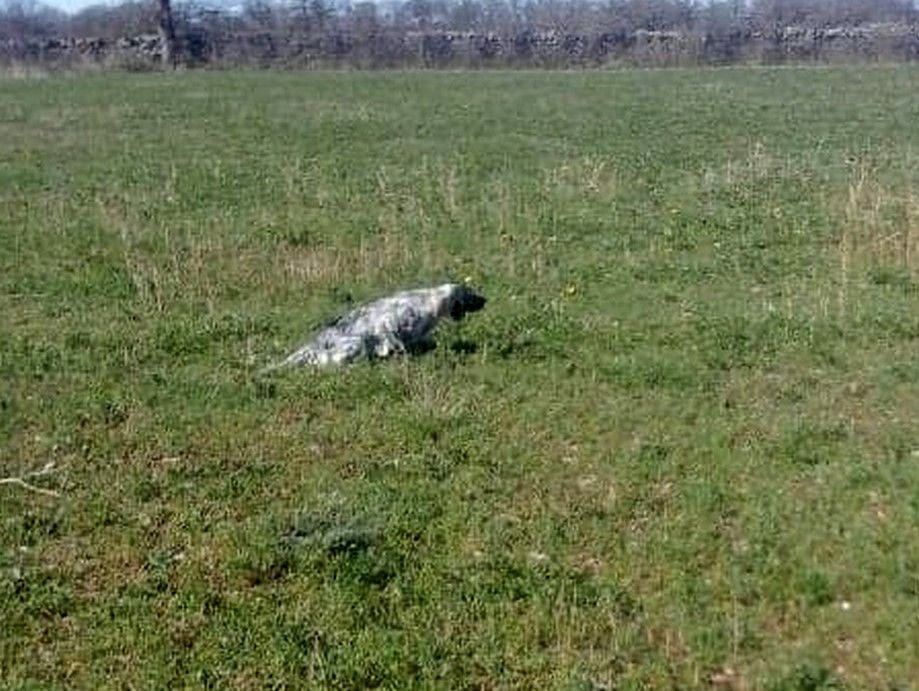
{"type": "Point", "coordinates": [471, 49]}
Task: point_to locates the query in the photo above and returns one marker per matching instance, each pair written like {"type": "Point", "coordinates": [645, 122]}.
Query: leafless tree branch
{"type": "Point", "coordinates": [21, 480]}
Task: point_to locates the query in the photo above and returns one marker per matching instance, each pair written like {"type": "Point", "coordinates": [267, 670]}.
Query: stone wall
{"type": "Point", "coordinates": [898, 42]}
{"type": "Point", "coordinates": [65, 51]}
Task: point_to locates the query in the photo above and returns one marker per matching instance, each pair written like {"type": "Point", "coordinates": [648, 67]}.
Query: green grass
{"type": "Point", "coordinates": [680, 447]}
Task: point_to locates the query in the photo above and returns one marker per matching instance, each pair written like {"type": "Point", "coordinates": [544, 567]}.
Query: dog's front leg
{"type": "Point", "coordinates": [388, 345]}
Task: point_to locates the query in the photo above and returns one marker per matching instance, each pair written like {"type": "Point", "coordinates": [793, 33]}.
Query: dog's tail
{"type": "Point", "coordinates": [306, 355]}
{"type": "Point", "coordinates": [269, 369]}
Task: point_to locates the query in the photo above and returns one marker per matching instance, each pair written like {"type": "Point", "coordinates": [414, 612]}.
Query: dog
{"type": "Point", "coordinates": [400, 324]}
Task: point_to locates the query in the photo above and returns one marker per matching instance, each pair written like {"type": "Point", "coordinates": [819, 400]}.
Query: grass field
{"type": "Point", "coordinates": [679, 448]}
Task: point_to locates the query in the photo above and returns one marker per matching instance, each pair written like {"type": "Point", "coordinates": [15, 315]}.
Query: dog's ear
{"type": "Point", "coordinates": [457, 311]}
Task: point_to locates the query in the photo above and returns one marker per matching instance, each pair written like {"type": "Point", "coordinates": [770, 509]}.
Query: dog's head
{"type": "Point", "coordinates": [464, 299]}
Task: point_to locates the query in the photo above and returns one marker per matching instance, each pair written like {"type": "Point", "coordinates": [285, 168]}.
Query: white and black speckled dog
{"type": "Point", "coordinates": [394, 325]}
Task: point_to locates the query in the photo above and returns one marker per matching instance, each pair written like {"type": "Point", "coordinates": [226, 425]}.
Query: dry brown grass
{"type": "Point", "coordinates": [878, 233]}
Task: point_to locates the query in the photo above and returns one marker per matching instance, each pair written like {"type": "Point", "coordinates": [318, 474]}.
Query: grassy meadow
{"type": "Point", "coordinates": [678, 449]}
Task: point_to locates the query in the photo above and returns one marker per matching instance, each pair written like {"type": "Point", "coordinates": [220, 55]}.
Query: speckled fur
{"type": "Point", "coordinates": [394, 325]}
